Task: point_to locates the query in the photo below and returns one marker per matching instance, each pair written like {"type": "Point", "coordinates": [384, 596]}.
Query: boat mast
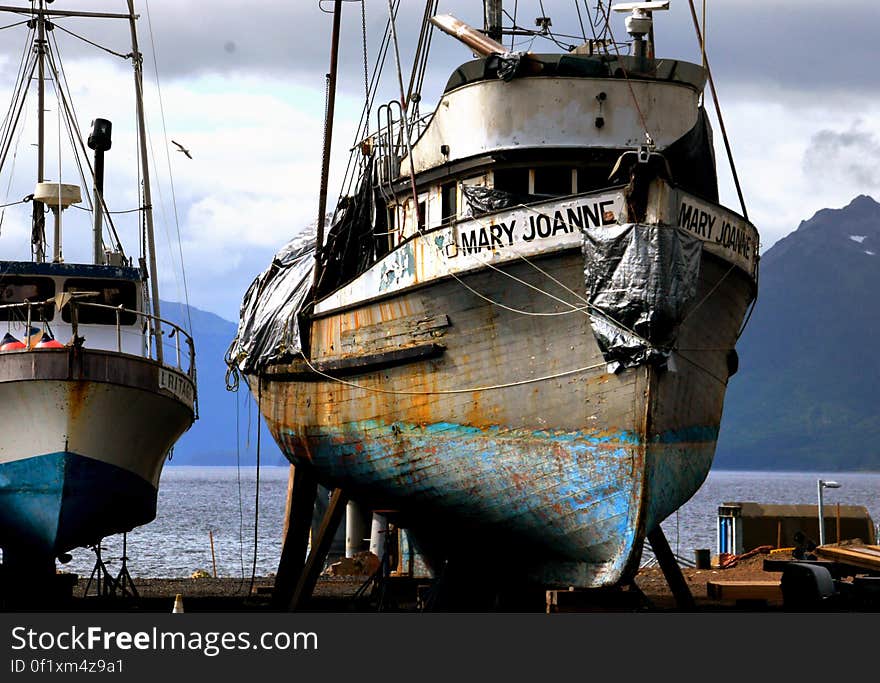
{"type": "Point", "coordinates": [492, 18]}
{"type": "Point", "coordinates": [137, 62]}
{"type": "Point", "coordinates": [39, 212]}
{"type": "Point", "coordinates": [328, 138]}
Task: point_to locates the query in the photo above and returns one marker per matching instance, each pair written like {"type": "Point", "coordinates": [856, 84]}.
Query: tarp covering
{"type": "Point", "coordinates": [640, 280]}
{"type": "Point", "coordinates": [508, 65]}
{"type": "Point", "coordinates": [350, 247]}
{"type": "Point", "coordinates": [484, 200]}
{"type": "Point", "coordinates": [692, 159]}
{"type": "Point", "coordinates": [268, 328]}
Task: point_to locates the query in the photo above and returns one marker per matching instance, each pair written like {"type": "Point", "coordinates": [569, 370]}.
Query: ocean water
{"type": "Point", "coordinates": [195, 502]}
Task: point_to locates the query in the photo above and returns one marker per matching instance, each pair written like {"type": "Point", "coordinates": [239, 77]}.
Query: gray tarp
{"type": "Point", "coordinates": [641, 278]}
{"type": "Point", "coordinates": [268, 327]}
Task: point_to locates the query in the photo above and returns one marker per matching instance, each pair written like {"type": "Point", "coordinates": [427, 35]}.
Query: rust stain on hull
{"type": "Point", "coordinates": [580, 467]}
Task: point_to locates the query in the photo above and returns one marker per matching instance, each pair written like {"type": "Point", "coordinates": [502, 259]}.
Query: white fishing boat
{"type": "Point", "coordinates": [95, 386]}
{"type": "Point", "coordinates": [519, 330]}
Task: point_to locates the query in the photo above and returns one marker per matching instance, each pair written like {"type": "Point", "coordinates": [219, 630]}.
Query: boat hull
{"type": "Point", "coordinates": [86, 434]}
{"type": "Point", "coordinates": [59, 501]}
{"type": "Point", "coordinates": [514, 435]}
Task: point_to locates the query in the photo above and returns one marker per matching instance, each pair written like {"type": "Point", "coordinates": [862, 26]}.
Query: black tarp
{"type": "Point", "coordinates": [485, 200]}
{"type": "Point", "coordinates": [350, 245]}
{"type": "Point", "coordinates": [268, 328]}
{"type": "Point", "coordinates": [692, 160]}
{"type": "Point", "coordinates": [508, 65]}
{"type": "Point", "coordinates": [640, 280]}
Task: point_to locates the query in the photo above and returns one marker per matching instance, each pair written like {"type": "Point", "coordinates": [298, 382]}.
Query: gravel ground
{"type": "Point", "coordinates": [337, 593]}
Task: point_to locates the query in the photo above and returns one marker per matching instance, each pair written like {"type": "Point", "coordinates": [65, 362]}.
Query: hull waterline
{"type": "Point", "coordinates": [78, 461]}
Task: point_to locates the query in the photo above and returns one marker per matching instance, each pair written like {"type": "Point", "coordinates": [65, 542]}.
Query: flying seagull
{"type": "Point", "coordinates": [183, 149]}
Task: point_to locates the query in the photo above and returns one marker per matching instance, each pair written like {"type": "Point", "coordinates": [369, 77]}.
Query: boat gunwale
{"type": "Point", "coordinates": [312, 315]}
{"type": "Point", "coordinates": [151, 364]}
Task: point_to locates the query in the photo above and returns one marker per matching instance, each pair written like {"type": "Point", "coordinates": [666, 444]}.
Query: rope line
{"type": "Point", "coordinates": [257, 493]}
{"type": "Point", "coordinates": [62, 89]}
{"type": "Point", "coordinates": [20, 201]}
{"type": "Point", "coordinates": [92, 43]}
{"type": "Point", "coordinates": [701, 367]}
{"type": "Point", "coordinates": [114, 213]}
{"type": "Point", "coordinates": [632, 92]}
{"type": "Point", "coordinates": [168, 162]}
{"type": "Point", "coordinates": [587, 303]}
{"type": "Point", "coordinates": [708, 294]}
{"type": "Point", "coordinates": [736, 182]}
{"type": "Point", "coordinates": [448, 392]}
{"type": "Point", "coordinates": [240, 497]}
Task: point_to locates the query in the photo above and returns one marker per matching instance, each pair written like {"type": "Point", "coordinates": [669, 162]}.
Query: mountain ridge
{"type": "Point", "coordinates": [806, 394]}
{"type": "Point", "coordinates": [225, 433]}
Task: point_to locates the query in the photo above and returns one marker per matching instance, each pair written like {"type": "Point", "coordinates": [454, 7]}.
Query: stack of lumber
{"type": "Point", "coordinates": [865, 557]}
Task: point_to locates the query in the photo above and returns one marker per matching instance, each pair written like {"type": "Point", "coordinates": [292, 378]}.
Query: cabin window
{"type": "Point", "coordinates": [382, 230]}
{"type": "Point", "coordinates": [107, 293]}
{"type": "Point", "coordinates": [395, 225]}
{"type": "Point", "coordinates": [512, 180]}
{"type": "Point", "coordinates": [16, 290]}
{"type": "Point", "coordinates": [553, 181]}
{"type": "Point", "coordinates": [392, 224]}
{"type": "Point", "coordinates": [449, 194]}
{"type": "Point", "coordinates": [423, 215]}
{"type": "Point", "coordinates": [592, 178]}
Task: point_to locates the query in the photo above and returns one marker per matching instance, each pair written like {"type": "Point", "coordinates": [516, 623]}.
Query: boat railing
{"type": "Point", "coordinates": [176, 331]}
{"type": "Point", "coordinates": [389, 141]}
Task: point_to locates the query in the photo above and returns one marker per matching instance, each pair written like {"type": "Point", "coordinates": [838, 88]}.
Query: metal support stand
{"type": "Point", "coordinates": [105, 584]}
{"type": "Point", "coordinates": [677, 584]}
{"type": "Point", "coordinates": [301, 494]}
{"type": "Point", "coordinates": [379, 582]}
{"type": "Point", "coordinates": [124, 582]}
{"type": "Point", "coordinates": [320, 547]}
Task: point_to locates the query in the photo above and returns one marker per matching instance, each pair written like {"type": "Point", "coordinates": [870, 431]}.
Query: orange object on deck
{"type": "Point", "coordinates": [10, 343]}
{"type": "Point", "coordinates": [49, 342]}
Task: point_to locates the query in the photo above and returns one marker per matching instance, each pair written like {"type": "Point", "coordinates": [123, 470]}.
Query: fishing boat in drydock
{"type": "Point", "coordinates": [92, 399]}
{"type": "Point", "coordinates": [519, 328]}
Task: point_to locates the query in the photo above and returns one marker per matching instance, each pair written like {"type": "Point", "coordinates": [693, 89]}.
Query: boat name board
{"type": "Point", "coordinates": [472, 244]}
{"type": "Point", "coordinates": [722, 232]}
{"type": "Point", "coordinates": [176, 384]}
{"type": "Point", "coordinates": [529, 225]}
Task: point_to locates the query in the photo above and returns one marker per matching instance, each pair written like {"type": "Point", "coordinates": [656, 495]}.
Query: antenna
{"type": "Point", "coordinates": [641, 23]}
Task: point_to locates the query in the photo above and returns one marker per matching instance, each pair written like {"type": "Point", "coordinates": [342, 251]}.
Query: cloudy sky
{"type": "Point", "coordinates": [242, 86]}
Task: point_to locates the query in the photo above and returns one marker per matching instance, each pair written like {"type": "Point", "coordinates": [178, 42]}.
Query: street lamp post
{"type": "Point", "coordinates": [821, 486]}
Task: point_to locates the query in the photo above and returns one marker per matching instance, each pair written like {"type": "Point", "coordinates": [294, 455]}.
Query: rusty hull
{"type": "Point", "coordinates": [498, 441]}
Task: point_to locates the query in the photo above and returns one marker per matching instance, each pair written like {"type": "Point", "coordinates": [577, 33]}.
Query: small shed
{"type": "Point", "coordinates": [745, 526]}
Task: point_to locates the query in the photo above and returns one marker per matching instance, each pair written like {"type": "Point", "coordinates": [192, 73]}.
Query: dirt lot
{"type": "Point", "coordinates": [337, 593]}
{"type": "Point", "coordinates": [653, 584]}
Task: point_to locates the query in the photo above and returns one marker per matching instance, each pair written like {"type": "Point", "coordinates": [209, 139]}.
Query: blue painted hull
{"type": "Point", "coordinates": [52, 503]}
{"type": "Point", "coordinates": [571, 506]}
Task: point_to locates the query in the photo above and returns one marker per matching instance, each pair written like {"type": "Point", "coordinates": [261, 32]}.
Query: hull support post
{"type": "Point", "coordinates": [301, 494]}
{"type": "Point", "coordinates": [320, 547]}
{"type": "Point", "coordinates": [677, 584]}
